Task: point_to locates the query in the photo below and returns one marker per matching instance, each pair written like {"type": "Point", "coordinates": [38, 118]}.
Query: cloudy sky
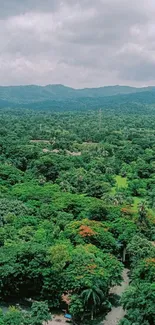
{"type": "Point", "coordinates": [80, 43]}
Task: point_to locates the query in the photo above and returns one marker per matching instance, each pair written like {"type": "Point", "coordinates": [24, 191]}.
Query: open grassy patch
{"type": "Point", "coordinates": [121, 181]}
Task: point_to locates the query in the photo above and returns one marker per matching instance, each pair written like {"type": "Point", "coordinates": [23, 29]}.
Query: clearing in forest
{"type": "Point", "coordinates": [121, 181]}
{"type": "Point", "coordinates": [40, 141]}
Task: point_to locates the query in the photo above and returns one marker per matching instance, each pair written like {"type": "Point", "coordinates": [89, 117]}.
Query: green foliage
{"type": "Point", "coordinates": [39, 313]}
{"type": "Point", "coordinates": [90, 231]}
{"type": "Point", "coordinates": [46, 167]}
{"type": "Point", "coordinates": [76, 306]}
{"type": "Point", "coordinates": [13, 317]}
{"type": "Point", "coordinates": [9, 175]}
{"type": "Point", "coordinates": [140, 248]}
{"type": "Point", "coordinates": [123, 229]}
{"type": "Point", "coordinates": [59, 255]}
{"type": "Point", "coordinates": [72, 187]}
{"type": "Point", "coordinates": [37, 316]}
{"type": "Point", "coordinates": [145, 270]}
{"type": "Point", "coordinates": [139, 301]}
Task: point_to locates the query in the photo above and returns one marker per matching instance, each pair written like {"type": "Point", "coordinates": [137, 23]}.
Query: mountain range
{"type": "Point", "coordinates": [59, 95]}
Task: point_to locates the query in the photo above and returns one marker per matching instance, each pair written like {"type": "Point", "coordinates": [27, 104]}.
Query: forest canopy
{"type": "Point", "coordinates": [76, 192]}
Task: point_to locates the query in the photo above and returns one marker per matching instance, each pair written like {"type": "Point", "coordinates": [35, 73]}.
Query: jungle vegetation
{"type": "Point", "coordinates": [77, 188]}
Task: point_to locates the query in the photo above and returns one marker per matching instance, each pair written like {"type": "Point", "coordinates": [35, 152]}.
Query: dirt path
{"type": "Point", "coordinates": [117, 313]}
{"type": "Point", "coordinates": [57, 320]}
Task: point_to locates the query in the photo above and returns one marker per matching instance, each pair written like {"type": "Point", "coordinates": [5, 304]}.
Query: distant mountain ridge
{"type": "Point", "coordinates": [62, 98]}
{"type": "Point", "coordinates": [33, 93]}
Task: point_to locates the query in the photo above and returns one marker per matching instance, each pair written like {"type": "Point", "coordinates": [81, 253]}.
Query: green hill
{"type": "Point", "coordinates": [59, 97]}
{"type": "Point", "coordinates": [33, 93]}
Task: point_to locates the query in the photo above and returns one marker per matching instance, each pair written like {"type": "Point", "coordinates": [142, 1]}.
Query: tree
{"type": "Point", "coordinates": [138, 301]}
{"type": "Point", "coordinates": [140, 248]}
{"type": "Point", "coordinates": [93, 298]}
{"type": "Point", "coordinates": [40, 313]}
{"type": "Point", "coordinates": [13, 317]}
{"type": "Point", "coordinates": [90, 231]}
{"type": "Point", "coordinates": [10, 175]}
{"type": "Point", "coordinates": [144, 270]}
{"type": "Point", "coordinates": [76, 307]}
{"type": "Point", "coordinates": [60, 255]}
{"type": "Point", "coordinates": [90, 275]}
{"type": "Point", "coordinates": [37, 316]}
{"type": "Point", "coordinates": [46, 167]}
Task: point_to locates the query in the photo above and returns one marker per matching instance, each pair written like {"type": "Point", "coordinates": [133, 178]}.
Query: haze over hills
{"type": "Point", "coordinates": [60, 96]}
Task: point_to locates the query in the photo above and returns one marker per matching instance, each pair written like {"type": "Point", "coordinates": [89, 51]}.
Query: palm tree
{"type": "Point", "coordinates": [92, 297]}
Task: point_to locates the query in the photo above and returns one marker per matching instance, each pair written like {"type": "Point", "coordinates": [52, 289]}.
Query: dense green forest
{"type": "Point", "coordinates": [77, 190]}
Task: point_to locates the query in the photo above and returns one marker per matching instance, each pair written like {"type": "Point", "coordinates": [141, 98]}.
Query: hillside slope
{"type": "Point", "coordinates": [33, 93]}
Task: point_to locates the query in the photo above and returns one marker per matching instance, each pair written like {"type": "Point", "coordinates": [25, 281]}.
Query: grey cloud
{"type": "Point", "coordinates": [142, 72]}
{"type": "Point", "coordinates": [77, 42]}
{"type": "Point", "coordinates": [16, 7]}
{"type": "Point", "coordinates": [136, 63]}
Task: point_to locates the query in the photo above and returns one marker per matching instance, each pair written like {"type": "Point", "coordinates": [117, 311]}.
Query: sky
{"type": "Point", "coordinates": [80, 43]}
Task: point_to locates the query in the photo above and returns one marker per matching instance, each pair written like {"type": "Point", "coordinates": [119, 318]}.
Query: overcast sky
{"type": "Point", "coordinates": [80, 43]}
